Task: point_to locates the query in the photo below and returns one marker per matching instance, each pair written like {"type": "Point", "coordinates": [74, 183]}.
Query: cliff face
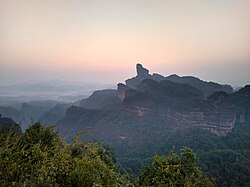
{"type": "Point", "coordinates": [241, 98]}
{"type": "Point", "coordinates": [155, 107]}
{"type": "Point", "coordinates": [219, 122]}
{"type": "Point", "coordinates": [182, 106]}
{"type": "Point", "coordinates": [170, 105]}
{"type": "Point", "coordinates": [145, 118]}
{"type": "Point", "coordinates": [142, 73]}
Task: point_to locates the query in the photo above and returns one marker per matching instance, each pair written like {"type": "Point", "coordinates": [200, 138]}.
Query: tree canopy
{"type": "Point", "coordinates": [174, 170]}
{"type": "Point", "coordinates": [39, 157]}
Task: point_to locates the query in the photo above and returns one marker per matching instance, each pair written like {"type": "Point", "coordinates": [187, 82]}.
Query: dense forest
{"type": "Point", "coordinates": [224, 158]}
{"type": "Point", "coordinates": [39, 157]}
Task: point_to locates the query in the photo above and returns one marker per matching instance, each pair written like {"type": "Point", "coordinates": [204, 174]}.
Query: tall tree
{"type": "Point", "coordinates": [174, 170]}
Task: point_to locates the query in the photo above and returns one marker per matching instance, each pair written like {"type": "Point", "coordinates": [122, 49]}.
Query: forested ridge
{"type": "Point", "coordinates": [39, 157]}
{"type": "Point", "coordinates": [224, 158]}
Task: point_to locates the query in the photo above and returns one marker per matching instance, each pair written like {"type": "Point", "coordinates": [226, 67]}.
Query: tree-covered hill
{"type": "Point", "coordinates": [39, 157]}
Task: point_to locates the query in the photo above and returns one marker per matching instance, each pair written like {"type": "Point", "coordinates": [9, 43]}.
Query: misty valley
{"type": "Point", "coordinates": [126, 127]}
{"type": "Point", "coordinates": [198, 132]}
{"type": "Point", "coordinates": [124, 93]}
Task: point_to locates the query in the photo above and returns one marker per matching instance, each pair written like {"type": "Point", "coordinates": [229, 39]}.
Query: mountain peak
{"type": "Point", "coordinates": [141, 71]}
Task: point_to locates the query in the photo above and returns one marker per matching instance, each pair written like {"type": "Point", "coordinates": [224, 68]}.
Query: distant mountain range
{"type": "Point", "coordinates": [180, 102]}
{"type": "Point", "coordinates": [177, 101]}
{"type": "Point", "coordinates": [141, 114]}
{"type": "Point", "coordinates": [43, 101]}
{"type": "Point", "coordinates": [151, 113]}
{"type": "Point", "coordinates": [206, 87]}
{"type": "Point", "coordinates": [59, 90]}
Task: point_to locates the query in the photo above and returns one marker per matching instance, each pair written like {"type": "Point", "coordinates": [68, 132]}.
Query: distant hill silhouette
{"type": "Point", "coordinates": [150, 113]}
{"type": "Point", "coordinates": [206, 87]}
{"type": "Point", "coordinates": [9, 125]}
{"type": "Point", "coordinates": [100, 99]}
{"type": "Point", "coordinates": [25, 114]}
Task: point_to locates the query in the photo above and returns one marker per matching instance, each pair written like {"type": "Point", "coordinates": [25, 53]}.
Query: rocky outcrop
{"type": "Point", "coordinates": [152, 99]}
{"type": "Point", "coordinates": [122, 89]}
{"type": "Point", "coordinates": [219, 122]}
{"type": "Point", "coordinates": [241, 99]}
{"type": "Point", "coordinates": [142, 73]}
{"type": "Point", "coordinates": [171, 105]}
{"type": "Point", "coordinates": [206, 87]}
{"type": "Point", "coordinates": [182, 106]}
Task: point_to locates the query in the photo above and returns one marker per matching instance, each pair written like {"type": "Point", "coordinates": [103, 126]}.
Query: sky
{"type": "Point", "coordinates": [102, 40]}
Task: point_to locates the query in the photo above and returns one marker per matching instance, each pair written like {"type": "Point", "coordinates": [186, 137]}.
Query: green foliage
{"type": "Point", "coordinates": [95, 171]}
{"type": "Point", "coordinates": [40, 158]}
{"type": "Point", "coordinates": [174, 170]}
{"type": "Point", "coordinates": [224, 158]}
{"type": "Point", "coordinates": [36, 158]}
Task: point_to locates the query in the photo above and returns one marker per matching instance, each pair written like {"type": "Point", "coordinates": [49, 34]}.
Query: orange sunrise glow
{"type": "Point", "coordinates": [80, 37]}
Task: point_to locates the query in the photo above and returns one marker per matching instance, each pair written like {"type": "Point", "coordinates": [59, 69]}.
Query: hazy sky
{"type": "Point", "coordinates": [101, 41]}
